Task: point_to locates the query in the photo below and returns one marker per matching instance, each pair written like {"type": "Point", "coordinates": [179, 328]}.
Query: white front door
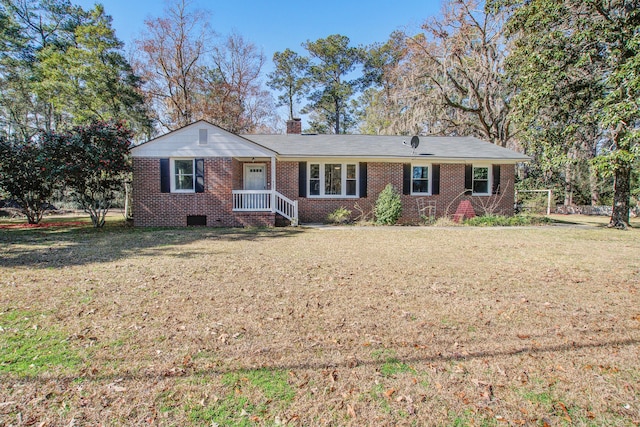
{"type": "Point", "coordinates": [255, 177]}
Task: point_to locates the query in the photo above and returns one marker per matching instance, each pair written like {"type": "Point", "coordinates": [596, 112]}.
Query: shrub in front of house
{"type": "Point", "coordinates": [341, 215]}
{"type": "Point", "coordinates": [506, 221]}
{"type": "Point", "coordinates": [388, 206]}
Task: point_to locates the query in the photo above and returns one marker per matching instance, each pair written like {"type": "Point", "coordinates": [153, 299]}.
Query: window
{"type": "Point", "coordinates": [183, 176]}
{"type": "Point", "coordinates": [314, 180]}
{"type": "Point", "coordinates": [333, 180]}
{"type": "Point", "coordinates": [481, 180]}
{"type": "Point", "coordinates": [351, 180]}
{"type": "Point", "coordinates": [420, 180]}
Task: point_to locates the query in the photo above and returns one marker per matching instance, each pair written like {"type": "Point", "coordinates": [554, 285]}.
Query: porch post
{"type": "Point", "coordinates": [273, 183]}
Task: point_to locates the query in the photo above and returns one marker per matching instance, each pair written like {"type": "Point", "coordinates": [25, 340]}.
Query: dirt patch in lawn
{"type": "Point", "coordinates": [377, 326]}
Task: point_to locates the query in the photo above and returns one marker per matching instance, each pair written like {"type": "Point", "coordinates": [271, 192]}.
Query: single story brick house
{"type": "Point", "coordinates": [203, 175]}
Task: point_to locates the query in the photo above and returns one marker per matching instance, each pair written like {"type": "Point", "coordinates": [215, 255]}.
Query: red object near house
{"type": "Point", "coordinates": [464, 211]}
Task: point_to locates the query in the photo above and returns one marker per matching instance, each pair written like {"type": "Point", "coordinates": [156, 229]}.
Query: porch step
{"type": "Point", "coordinates": [282, 221]}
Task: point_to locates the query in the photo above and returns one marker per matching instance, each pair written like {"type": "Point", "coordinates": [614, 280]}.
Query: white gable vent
{"type": "Point", "coordinates": [203, 137]}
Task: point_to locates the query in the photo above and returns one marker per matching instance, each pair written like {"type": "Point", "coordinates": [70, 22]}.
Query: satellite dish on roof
{"type": "Point", "coordinates": [415, 141]}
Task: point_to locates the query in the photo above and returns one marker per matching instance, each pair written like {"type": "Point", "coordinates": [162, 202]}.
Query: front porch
{"type": "Point", "coordinates": [265, 201]}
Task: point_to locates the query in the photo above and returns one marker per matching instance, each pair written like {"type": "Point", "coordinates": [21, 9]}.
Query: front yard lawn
{"type": "Point", "coordinates": [350, 326]}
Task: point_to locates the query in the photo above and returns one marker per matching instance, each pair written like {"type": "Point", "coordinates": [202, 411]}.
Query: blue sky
{"type": "Point", "coordinates": [277, 25]}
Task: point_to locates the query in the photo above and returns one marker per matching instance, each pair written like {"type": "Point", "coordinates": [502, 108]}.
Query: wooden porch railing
{"type": "Point", "coordinates": [251, 201]}
{"type": "Point", "coordinates": [286, 207]}
{"type": "Point", "coordinates": [265, 201]}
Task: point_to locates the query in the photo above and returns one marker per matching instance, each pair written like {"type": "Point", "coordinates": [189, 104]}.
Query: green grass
{"type": "Point", "coordinates": [272, 383]}
{"type": "Point", "coordinates": [26, 349]}
{"type": "Point", "coordinates": [543, 399]}
{"type": "Point", "coordinates": [467, 419]}
{"type": "Point", "coordinates": [247, 402]}
{"type": "Point", "coordinates": [229, 411]}
{"type": "Point", "coordinates": [390, 365]}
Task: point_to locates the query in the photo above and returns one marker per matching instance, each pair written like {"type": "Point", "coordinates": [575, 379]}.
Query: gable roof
{"type": "Point", "coordinates": [439, 148]}
{"type": "Point", "coordinates": [183, 142]}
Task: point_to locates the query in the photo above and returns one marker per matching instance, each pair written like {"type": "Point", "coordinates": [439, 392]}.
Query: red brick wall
{"type": "Point", "coordinates": [287, 179]}
{"type": "Point", "coordinates": [153, 208]}
{"type": "Point", "coordinates": [294, 126]}
{"type": "Point", "coordinates": [381, 174]}
{"type": "Point", "coordinates": [237, 174]}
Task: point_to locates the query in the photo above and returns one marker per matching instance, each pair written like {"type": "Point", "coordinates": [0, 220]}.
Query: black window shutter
{"type": "Point", "coordinates": [406, 178]}
{"type": "Point", "coordinates": [199, 175]}
{"type": "Point", "coordinates": [435, 179]}
{"type": "Point", "coordinates": [165, 176]}
{"type": "Point", "coordinates": [496, 179]}
{"type": "Point", "coordinates": [363, 179]}
{"type": "Point", "coordinates": [468, 179]}
{"type": "Point", "coordinates": [302, 179]}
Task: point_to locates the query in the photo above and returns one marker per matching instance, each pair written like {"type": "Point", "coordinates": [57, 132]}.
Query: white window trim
{"type": "Point", "coordinates": [430, 166]}
{"type": "Point", "coordinates": [343, 180]}
{"type": "Point", "coordinates": [172, 171]}
{"type": "Point", "coordinates": [489, 179]}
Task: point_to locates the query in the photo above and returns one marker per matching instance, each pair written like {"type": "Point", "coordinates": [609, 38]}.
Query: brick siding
{"type": "Point", "coordinates": [222, 175]}
{"type": "Point", "coordinates": [154, 208]}
{"type": "Point", "coordinates": [380, 174]}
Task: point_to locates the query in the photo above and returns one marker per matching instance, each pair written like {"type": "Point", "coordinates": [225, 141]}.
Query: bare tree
{"type": "Point", "coordinates": [450, 78]}
{"type": "Point", "coordinates": [462, 58]}
{"type": "Point", "coordinates": [233, 92]}
{"type": "Point", "coordinates": [171, 55]}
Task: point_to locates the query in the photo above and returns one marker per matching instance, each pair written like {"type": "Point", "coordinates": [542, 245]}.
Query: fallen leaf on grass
{"type": "Point", "coordinates": [463, 397]}
{"type": "Point", "coordinates": [561, 407]}
{"type": "Point", "coordinates": [389, 392]}
{"type": "Point", "coordinates": [351, 411]}
{"type": "Point", "coordinates": [333, 375]}
{"type": "Point", "coordinates": [117, 388]}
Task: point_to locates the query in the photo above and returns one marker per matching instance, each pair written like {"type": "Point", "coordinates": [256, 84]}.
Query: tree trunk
{"type": "Point", "coordinates": [337, 129]}
{"type": "Point", "coordinates": [593, 186]}
{"type": "Point", "coordinates": [621, 197]}
{"type": "Point", "coordinates": [128, 214]}
{"type": "Point", "coordinates": [290, 107]}
{"type": "Point", "coordinates": [568, 186]}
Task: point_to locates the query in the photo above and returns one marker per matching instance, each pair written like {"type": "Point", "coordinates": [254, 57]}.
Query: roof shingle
{"type": "Point", "coordinates": [374, 146]}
